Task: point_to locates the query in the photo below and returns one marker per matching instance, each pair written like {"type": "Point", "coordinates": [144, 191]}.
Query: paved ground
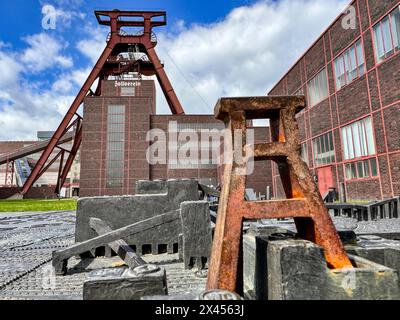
{"type": "Point", "coordinates": [379, 227]}
{"type": "Point", "coordinates": [27, 241]}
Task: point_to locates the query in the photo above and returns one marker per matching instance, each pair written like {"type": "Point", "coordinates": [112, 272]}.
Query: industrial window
{"type": "Point", "coordinates": [387, 35]}
{"type": "Point", "coordinates": [361, 169]}
{"type": "Point", "coordinates": [304, 152]}
{"type": "Point", "coordinates": [206, 152]}
{"type": "Point", "coordinates": [350, 65]}
{"type": "Point", "coordinates": [128, 91]}
{"type": "Point", "coordinates": [115, 146]}
{"type": "Point", "coordinates": [358, 139]}
{"type": "Point", "coordinates": [324, 151]}
{"type": "Point", "coordinates": [318, 88]}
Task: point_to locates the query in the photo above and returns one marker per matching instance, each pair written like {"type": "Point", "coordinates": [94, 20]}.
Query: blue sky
{"type": "Point", "coordinates": [210, 49]}
{"type": "Point", "coordinates": [26, 16]}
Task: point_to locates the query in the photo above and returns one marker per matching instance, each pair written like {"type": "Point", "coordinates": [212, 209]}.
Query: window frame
{"type": "Point", "coordinates": [115, 146]}
{"type": "Point", "coordinates": [342, 61]}
{"type": "Point", "coordinates": [379, 37]}
{"type": "Point", "coordinates": [370, 175]}
{"type": "Point", "coordinates": [319, 145]}
{"type": "Point", "coordinates": [366, 140]}
{"type": "Point", "coordinates": [317, 97]}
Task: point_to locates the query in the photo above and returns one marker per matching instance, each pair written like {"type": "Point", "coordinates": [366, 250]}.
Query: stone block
{"type": "Point", "coordinates": [182, 297]}
{"type": "Point", "coordinates": [297, 270]}
{"type": "Point", "coordinates": [120, 211]}
{"type": "Point", "coordinates": [151, 187]}
{"type": "Point", "coordinates": [196, 233]}
{"type": "Point", "coordinates": [255, 268]}
{"type": "Point", "coordinates": [379, 250]}
{"type": "Point", "coordinates": [125, 284]}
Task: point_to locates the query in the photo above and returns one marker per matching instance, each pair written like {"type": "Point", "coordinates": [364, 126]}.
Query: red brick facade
{"type": "Point", "coordinates": [140, 117]}
{"type": "Point", "coordinates": [375, 94]}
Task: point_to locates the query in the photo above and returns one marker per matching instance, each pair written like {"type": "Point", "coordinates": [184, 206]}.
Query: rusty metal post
{"type": "Point", "coordinates": [303, 203]}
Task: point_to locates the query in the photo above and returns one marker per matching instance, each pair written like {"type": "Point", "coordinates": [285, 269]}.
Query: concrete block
{"type": "Point", "coordinates": [182, 297]}
{"type": "Point", "coordinates": [151, 187]}
{"type": "Point", "coordinates": [379, 250]}
{"type": "Point", "coordinates": [297, 270]}
{"type": "Point", "coordinates": [196, 233]}
{"type": "Point", "coordinates": [120, 211]}
{"type": "Point", "coordinates": [220, 295]}
{"type": "Point", "coordinates": [125, 284]}
{"type": "Point", "coordinates": [255, 268]}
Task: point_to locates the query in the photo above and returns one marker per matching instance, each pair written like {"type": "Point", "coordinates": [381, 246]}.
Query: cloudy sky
{"type": "Point", "coordinates": [210, 49]}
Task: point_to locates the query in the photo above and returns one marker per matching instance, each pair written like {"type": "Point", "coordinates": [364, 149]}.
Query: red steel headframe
{"type": "Point", "coordinates": [119, 42]}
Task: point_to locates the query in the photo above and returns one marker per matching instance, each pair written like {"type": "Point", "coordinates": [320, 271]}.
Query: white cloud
{"type": "Point", "coordinates": [93, 45]}
{"type": "Point", "coordinates": [44, 52]}
{"type": "Point", "coordinates": [10, 70]}
{"type": "Point", "coordinates": [69, 81]}
{"type": "Point", "coordinates": [244, 54]}
{"type": "Point", "coordinates": [24, 107]}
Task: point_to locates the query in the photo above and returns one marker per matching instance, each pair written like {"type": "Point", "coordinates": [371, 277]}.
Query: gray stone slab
{"type": "Point", "coordinates": [182, 297]}
{"type": "Point", "coordinates": [379, 250]}
{"type": "Point", "coordinates": [60, 257]}
{"type": "Point", "coordinates": [125, 284]}
{"type": "Point", "coordinates": [196, 233]}
{"type": "Point", "coordinates": [297, 270]}
{"type": "Point", "coordinates": [121, 211]}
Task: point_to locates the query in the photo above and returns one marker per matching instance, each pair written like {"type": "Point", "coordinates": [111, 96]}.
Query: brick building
{"type": "Point", "coordinates": [115, 144]}
{"type": "Point", "coordinates": [351, 77]}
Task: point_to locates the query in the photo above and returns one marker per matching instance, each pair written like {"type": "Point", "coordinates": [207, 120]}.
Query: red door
{"type": "Point", "coordinates": [325, 179]}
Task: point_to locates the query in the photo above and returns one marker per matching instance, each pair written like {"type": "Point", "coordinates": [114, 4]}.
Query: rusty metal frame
{"type": "Point", "coordinates": [105, 65]}
{"type": "Point", "coordinates": [303, 203]}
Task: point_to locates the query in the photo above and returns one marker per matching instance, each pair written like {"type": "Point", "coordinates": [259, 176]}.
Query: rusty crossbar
{"type": "Point", "coordinates": [304, 202]}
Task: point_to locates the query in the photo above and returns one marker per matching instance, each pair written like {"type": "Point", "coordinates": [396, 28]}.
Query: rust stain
{"type": "Point", "coordinates": [304, 202]}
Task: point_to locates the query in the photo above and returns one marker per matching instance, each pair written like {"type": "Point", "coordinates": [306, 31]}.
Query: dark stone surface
{"type": "Point", "coordinates": [152, 187]}
{"type": "Point", "coordinates": [26, 244]}
{"type": "Point", "coordinates": [379, 250]}
{"type": "Point", "coordinates": [170, 297]}
{"type": "Point", "coordinates": [219, 295]}
{"type": "Point", "coordinates": [142, 227]}
{"type": "Point", "coordinates": [120, 247]}
{"type": "Point", "coordinates": [255, 269]}
{"type": "Point", "coordinates": [124, 284]}
{"type": "Point", "coordinates": [297, 270]}
{"type": "Point", "coordinates": [121, 211]}
{"type": "Point", "coordinates": [196, 233]}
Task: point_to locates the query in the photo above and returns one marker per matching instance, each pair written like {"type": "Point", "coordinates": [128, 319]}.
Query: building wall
{"type": "Point", "coordinates": [375, 94]}
{"type": "Point", "coordinates": [138, 109]}
{"type": "Point", "coordinates": [139, 119]}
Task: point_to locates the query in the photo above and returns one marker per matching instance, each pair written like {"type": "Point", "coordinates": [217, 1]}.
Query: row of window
{"type": "Point", "coordinates": [361, 169]}
{"type": "Point", "coordinates": [115, 146]}
{"type": "Point", "coordinates": [350, 65]}
{"type": "Point", "coordinates": [357, 141]}
{"type": "Point", "coordinates": [387, 35]}
{"type": "Point", "coordinates": [324, 152]}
